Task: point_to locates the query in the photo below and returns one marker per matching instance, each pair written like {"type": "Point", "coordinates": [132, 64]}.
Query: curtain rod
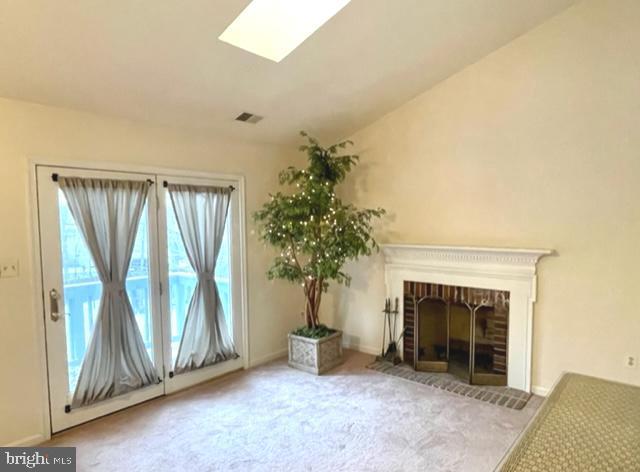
{"type": "Point", "coordinates": [165, 184]}
{"type": "Point", "coordinates": [55, 176]}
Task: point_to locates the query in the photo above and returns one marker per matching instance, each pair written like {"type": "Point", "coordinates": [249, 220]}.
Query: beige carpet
{"type": "Point", "coordinates": [586, 425]}
{"type": "Point", "coordinates": [274, 418]}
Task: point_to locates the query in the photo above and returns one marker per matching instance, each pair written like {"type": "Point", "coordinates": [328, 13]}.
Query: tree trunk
{"type": "Point", "coordinates": [313, 296]}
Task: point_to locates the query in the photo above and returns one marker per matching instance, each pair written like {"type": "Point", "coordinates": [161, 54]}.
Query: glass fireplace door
{"type": "Point", "coordinates": [459, 330]}
{"type": "Point", "coordinates": [433, 336]}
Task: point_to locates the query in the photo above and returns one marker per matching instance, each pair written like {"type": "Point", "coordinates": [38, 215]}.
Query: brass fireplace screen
{"type": "Point", "coordinates": [460, 330]}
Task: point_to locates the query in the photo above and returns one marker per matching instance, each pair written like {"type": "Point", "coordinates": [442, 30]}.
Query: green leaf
{"type": "Point", "coordinates": [320, 331]}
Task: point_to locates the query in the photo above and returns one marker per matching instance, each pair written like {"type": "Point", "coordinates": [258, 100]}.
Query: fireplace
{"type": "Point", "coordinates": [467, 310]}
{"type": "Point", "coordinates": [460, 330]}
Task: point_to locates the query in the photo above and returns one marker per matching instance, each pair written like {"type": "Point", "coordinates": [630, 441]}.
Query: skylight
{"type": "Point", "coordinates": [274, 28]}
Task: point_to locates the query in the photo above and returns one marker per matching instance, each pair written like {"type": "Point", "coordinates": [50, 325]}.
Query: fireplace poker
{"type": "Point", "coordinates": [384, 328]}
{"type": "Point", "coordinates": [395, 317]}
{"type": "Point", "coordinates": [388, 314]}
{"type": "Point", "coordinates": [392, 350]}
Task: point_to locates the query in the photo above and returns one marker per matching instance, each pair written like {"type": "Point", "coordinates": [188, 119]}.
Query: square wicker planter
{"type": "Point", "coordinates": [315, 356]}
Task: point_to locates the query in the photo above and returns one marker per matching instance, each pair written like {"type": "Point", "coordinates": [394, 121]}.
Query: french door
{"type": "Point", "coordinates": [159, 286]}
{"type": "Point", "coordinates": [179, 281]}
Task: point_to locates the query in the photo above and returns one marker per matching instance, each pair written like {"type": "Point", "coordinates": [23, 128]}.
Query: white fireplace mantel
{"type": "Point", "coordinates": [513, 270]}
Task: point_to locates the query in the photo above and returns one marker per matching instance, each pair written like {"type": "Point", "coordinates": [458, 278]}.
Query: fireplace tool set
{"type": "Point", "coordinates": [390, 320]}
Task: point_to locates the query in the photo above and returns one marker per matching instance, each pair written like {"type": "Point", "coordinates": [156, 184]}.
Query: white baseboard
{"type": "Point", "coordinates": [541, 391]}
{"type": "Point", "coordinates": [349, 343]}
{"type": "Point", "coordinates": [28, 441]}
{"type": "Point", "coordinates": [254, 362]}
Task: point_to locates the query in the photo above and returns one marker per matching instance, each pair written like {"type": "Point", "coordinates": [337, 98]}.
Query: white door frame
{"type": "Point", "coordinates": [36, 266]}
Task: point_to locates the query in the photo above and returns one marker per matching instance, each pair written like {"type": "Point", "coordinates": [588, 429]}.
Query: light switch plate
{"type": "Point", "coordinates": [8, 268]}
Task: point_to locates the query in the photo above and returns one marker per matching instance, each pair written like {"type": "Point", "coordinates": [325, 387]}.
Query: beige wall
{"type": "Point", "coordinates": [536, 145]}
{"type": "Point", "coordinates": [33, 131]}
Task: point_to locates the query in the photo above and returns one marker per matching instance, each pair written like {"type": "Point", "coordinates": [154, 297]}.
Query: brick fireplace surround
{"type": "Point", "coordinates": [502, 270]}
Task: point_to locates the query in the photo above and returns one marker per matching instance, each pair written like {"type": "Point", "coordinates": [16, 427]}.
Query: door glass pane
{"type": "Point", "coordinates": [82, 288]}
{"type": "Point", "coordinates": [138, 281]}
{"type": "Point", "coordinates": [182, 280]}
{"type": "Point", "coordinates": [223, 277]}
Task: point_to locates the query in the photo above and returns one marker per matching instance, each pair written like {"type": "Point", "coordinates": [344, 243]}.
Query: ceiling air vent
{"type": "Point", "coordinates": [248, 117]}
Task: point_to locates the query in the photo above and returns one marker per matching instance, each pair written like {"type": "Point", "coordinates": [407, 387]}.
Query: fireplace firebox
{"type": "Point", "coordinates": [460, 330]}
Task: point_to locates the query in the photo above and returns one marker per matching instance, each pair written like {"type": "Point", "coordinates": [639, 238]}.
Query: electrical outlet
{"type": "Point", "coordinates": [8, 268]}
{"type": "Point", "coordinates": [631, 362]}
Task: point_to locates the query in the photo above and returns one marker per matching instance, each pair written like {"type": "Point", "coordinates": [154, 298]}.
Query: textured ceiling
{"type": "Point", "coordinates": [161, 61]}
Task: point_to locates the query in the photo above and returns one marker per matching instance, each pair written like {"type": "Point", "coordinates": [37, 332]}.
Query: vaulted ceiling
{"type": "Point", "coordinates": [162, 62]}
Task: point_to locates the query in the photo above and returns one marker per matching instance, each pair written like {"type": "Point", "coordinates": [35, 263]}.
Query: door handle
{"type": "Point", "coordinates": [54, 296]}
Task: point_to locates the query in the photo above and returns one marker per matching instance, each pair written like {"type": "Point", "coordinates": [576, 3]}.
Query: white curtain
{"type": "Point", "coordinates": [108, 212]}
{"type": "Point", "coordinates": [201, 213]}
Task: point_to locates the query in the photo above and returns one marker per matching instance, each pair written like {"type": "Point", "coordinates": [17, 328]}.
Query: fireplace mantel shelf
{"type": "Point", "coordinates": [523, 260]}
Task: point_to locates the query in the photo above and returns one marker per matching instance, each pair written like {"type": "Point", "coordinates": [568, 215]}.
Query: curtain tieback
{"type": "Point", "coordinates": [115, 288]}
{"type": "Point", "coordinates": [205, 277]}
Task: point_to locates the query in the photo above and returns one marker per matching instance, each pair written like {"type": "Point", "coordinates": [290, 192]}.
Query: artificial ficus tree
{"type": "Point", "coordinates": [314, 230]}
